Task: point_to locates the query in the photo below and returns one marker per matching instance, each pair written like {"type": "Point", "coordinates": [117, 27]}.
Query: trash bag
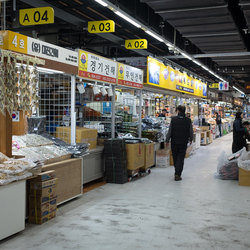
{"type": "Point", "coordinates": [244, 160]}
{"type": "Point", "coordinates": [227, 168]}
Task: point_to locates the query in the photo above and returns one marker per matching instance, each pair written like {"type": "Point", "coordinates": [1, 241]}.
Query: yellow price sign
{"type": "Point", "coordinates": [101, 26]}
{"type": "Point", "coordinates": [214, 85]}
{"type": "Point", "coordinates": [35, 16]}
{"type": "Point", "coordinates": [136, 44]}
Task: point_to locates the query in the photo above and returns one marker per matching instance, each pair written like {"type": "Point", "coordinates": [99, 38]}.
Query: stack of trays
{"type": "Point", "coordinates": [115, 161]}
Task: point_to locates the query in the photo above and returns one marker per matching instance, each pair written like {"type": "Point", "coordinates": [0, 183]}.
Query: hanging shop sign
{"type": "Point", "coordinates": [26, 45]}
{"type": "Point", "coordinates": [35, 16]}
{"type": "Point", "coordinates": [105, 26]}
{"type": "Point", "coordinates": [223, 86]}
{"type": "Point", "coordinates": [213, 85]}
{"type": "Point", "coordinates": [166, 77]}
{"type": "Point", "coordinates": [136, 44]}
{"type": "Point", "coordinates": [247, 87]}
{"type": "Point", "coordinates": [130, 76]}
{"type": "Point", "coordinates": [94, 67]}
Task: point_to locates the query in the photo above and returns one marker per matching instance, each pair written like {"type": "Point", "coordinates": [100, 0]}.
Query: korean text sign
{"type": "Point", "coordinates": [94, 67]}
{"type": "Point", "coordinates": [168, 78]}
{"type": "Point", "coordinates": [130, 76]}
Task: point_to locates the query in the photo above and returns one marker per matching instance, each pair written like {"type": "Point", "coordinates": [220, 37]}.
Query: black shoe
{"type": "Point", "coordinates": [177, 178]}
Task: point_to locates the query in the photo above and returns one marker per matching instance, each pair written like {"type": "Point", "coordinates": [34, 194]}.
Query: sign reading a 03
{"type": "Point", "coordinates": [136, 44]}
{"type": "Point", "coordinates": [101, 26]}
{"type": "Point", "coordinates": [36, 16]}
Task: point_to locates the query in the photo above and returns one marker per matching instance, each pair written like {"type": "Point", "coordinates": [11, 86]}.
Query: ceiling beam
{"type": "Point", "coordinates": [212, 55]}
{"type": "Point", "coordinates": [63, 15]}
{"type": "Point", "coordinates": [190, 9]}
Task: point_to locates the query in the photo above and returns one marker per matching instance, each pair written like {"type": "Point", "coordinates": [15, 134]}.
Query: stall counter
{"type": "Point", "coordinates": [12, 208]}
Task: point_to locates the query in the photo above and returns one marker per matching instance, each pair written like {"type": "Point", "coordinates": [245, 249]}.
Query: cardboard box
{"type": "Point", "coordinates": [135, 155]}
{"type": "Point", "coordinates": [45, 176]}
{"type": "Point", "coordinates": [39, 200]}
{"type": "Point", "coordinates": [46, 188]}
{"type": "Point", "coordinates": [43, 209]}
{"type": "Point", "coordinates": [162, 158]}
{"type": "Point", "coordinates": [149, 156]}
{"type": "Point", "coordinates": [83, 135]}
{"type": "Point", "coordinates": [203, 128]}
{"type": "Point", "coordinates": [244, 177]}
{"type": "Point", "coordinates": [41, 220]}
{"type": "Point", "coordinates": [69, 178]}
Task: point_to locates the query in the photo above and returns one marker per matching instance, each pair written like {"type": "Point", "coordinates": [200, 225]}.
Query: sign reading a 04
{"type": "Point", "coordinates": [136, 44]}
{"type": "Point", "coordinates": [36, 16]}
{"type": "Point", "coordinates": [101, 26]}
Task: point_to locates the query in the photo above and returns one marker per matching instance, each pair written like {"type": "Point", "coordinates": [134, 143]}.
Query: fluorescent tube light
{"type": "Point", "coordinates": [239, 90]}
{"type": "Point", "coordinates": [127, 19]}
{"type": "Point", "coordinates": [198, 63]}
{"type": "Point", "coordinates": [204, 67]}
{"type": "Point", "coordinates": [101, 2]}
{"type": "Point", "coordinates": [186, 55]}
{"type": "Point", "coordinates": [155, 36]}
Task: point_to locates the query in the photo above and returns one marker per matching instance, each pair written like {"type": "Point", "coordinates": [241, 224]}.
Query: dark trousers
{"type": "Point", "coordinates": [219, 126]}
{"type": "Point", "coordinates": [178, 153]}
{"type": "Point", "coordinates": [238, 146]}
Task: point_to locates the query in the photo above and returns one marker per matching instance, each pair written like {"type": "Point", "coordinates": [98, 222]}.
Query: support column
{"type": "Point", "coordinates": [6, 134]}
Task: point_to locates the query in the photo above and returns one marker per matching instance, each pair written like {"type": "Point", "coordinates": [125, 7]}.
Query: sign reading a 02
{"type": "Point", "coordinates": [136, 44]}
{"type": "Point", "coordinates": [36, 16]}
{"type": "Point", "coordinates": [101, 26]}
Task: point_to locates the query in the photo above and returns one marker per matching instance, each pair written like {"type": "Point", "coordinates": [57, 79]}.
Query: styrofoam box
{"type": "Point", "coordinates": [100, 128]}
{"type": "Point", "coordinates": [162, 161]}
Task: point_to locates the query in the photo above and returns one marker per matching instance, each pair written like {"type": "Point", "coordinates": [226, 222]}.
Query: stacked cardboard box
{"type": "Point", "coordinates": [83, 135]}
{"type": "Point", "coordinates": [135, 155]}
{"type": "Point", "coordinates": [42, 198]}
{"type": "Point", "coordinates": [149, 156]}
{"type": "Point", "coordinates": [115, 161]}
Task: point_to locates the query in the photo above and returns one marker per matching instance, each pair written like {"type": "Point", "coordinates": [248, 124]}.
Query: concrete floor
{"type": "Point", "coordinates": [152, 212]}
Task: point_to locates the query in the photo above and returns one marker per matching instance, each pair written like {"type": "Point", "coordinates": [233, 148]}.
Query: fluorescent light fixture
{"type": "Point", "coordinates": [204, 67]}
{"type": "Point", "coordinates": [155, 36]}
{"type": "Point", "coordinates": [239, 90]}
{"type": "Point", "coordinates": [127, 19]}
{"type": "Point", "coordinates": [43, 70]}
{"type": "Point", "coordinates": [198, 63]}
{"type": "Point", "coordinates": [102, 3]}
{"type": "Point", "coordinates": [186, 55]}
{"type": "Point", "coordinates": [49, 71]}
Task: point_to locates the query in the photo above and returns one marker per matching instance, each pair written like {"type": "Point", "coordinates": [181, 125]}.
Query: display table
{"type": "Point", "coordinates": [12, 207]}
{"type": "Point", "coordinates": [93, 164]}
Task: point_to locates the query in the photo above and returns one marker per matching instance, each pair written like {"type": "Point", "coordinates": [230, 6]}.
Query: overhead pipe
{"type": "Point", "coordinates": [191, 9]}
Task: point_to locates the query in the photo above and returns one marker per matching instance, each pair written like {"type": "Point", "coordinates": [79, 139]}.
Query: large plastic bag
{"type": "Point", "coordinates": [227, 168]}
{"type": "Point", "coordinates": [244, 160]}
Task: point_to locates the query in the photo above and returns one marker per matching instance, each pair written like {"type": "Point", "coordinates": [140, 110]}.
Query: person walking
{"type": "Point", "coordinates": [239, 133]}
{"type": "Point", "coordinates": [180, 132]}
{"type": "Point", "coordinates": [218, 122]}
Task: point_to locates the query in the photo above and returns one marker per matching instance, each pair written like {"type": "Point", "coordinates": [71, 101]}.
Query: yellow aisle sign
{"type": "Point", "coordinates": [10, 40]}
{"type": "Point", "coordinates": [214, 85]}
{"type": "Point", "coordinates": [36, 16]}
{"type": "Point", "coordinates": [101, 26]}
{"type": "Point", "coordinates": [136, 44]}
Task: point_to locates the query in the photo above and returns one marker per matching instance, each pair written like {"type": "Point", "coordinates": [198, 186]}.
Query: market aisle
{"type": "Point", "coordinates": [153, 212]}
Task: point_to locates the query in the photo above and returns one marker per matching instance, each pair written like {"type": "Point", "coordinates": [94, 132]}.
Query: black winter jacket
{"type": "Point", "coordinates": [180, 130]}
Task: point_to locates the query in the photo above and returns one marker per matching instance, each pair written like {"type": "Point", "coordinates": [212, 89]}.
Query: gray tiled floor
{"type": "Point", "coordinates": [153, 212]}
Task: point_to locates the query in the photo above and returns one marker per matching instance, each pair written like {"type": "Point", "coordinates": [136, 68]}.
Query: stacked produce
{"type": "Point", "coordinates": [14, 169]}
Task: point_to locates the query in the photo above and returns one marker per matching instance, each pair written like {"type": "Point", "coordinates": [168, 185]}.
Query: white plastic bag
{"type": "Point", "coordinates": [244, 160]}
